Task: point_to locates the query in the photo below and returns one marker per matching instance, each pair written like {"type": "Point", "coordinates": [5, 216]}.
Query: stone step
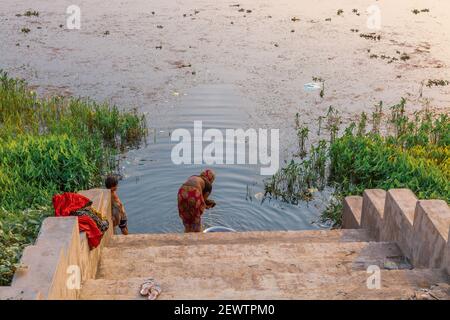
{"type": "Point", "coordinates": [398, 284]}
{"type": "Point", "coordinates": [180, 239]}
{"type": "Point", "coordinates": [233, 260]}
{"type": "Point", "coordinates": [351, 212]}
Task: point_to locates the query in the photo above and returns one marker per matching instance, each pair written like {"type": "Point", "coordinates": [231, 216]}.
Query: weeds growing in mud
{"type": "Point", "coordinates": [404, 56]}
{"type": "Point", "coordinates": [322, 81]}
{"type": "Point", "coordinates": [322, 90]}
{"type": "Point", "coordinates": [290, 186]}
{"type": "Point", "coordinates": [414, 154]}
{"type": "Point", "coordinates": [29, 13]}
{"type": "Point", "coordinates": [362, 125]}
{"type": "Point", "coordinates": [333, 122]}
{"type": "Point", "coordinates": [371, 36]}
{"type": "Point", "coordinates": [49, 146]}
{"type": "Point", "coordinates": [302, 135]}
{"type": "Point", "coordinates": [383, 57]}
{"type": "Point", "coordinates": [377, 116]}
{"type": "Point", "coordinates": [437, 83]}
{"type": "Point", "coordinates": [390, 59]}
{"type": "Point", "coordinates": [355, 11]}
{"type": "Point", "coordinates": [417, 11]}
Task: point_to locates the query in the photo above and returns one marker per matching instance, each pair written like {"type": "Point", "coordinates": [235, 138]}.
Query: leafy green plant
{"type": "Point", "coordinates": [376, 118]}
{"type": "Point", "coordinates": [414, 154]}
{"type": "Point", "coordinates": [362, 124]}
{"type": "Point", "coordinates": [49, 146]}
{"type": "Point", "coordinates": [302, 135]}
{"type": "Point", "coordinates": [333, 122]}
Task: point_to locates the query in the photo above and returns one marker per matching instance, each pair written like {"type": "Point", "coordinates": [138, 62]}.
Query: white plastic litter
{"type": "Point", "coordinates": [311, 86]}
{"type": "Point", "coordinates": [259, 196]}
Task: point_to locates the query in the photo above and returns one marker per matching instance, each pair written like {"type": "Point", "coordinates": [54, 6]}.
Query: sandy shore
{"type": "Point", "coordinates": [266, 55]}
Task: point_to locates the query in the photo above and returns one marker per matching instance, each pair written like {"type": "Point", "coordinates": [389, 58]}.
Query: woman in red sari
{"type": "Point", "coordinates": [193, 200]}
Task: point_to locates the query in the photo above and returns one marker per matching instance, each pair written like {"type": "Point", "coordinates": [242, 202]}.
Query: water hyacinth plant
{"type": "Point", "coordinates": [49, 146]}
{"type": "Point", "coordinates": [414, 154]}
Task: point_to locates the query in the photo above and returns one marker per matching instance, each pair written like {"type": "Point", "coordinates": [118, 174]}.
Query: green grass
{"type": "Point", "coordinates": [49, 146]}
{"type": "Point", "coordinates": [414, 154]}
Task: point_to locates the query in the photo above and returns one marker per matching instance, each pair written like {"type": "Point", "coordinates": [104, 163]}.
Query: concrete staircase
{"type": "Point", "coordinates": [329, 264]}
{"type": "Point", "coordinates": [393, 246]}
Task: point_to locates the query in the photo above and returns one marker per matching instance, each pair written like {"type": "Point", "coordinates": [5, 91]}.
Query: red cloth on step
{"type": "Point", "coordinates": [69, 202]}
{"type": "Point", "coordinates": [93, 233]}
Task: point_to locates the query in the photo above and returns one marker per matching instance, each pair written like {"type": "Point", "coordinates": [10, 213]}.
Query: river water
{"type": "Point", "coordinates": [180, 61]}
{"type": "Point", "coordinates": [151, 179]}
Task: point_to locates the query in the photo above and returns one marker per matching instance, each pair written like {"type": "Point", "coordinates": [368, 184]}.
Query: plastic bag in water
{"type": "Point", "coordinates": [311, 86]}
{"type": "Point", "coordinates": [259, 196]}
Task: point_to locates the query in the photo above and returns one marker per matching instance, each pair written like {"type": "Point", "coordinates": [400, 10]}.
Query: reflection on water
{"type": "Point", "coordinates": [151, 180]}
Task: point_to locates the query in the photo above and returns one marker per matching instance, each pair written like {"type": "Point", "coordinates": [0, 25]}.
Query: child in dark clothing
{"type": "Point", "coordinates": [119, 216]}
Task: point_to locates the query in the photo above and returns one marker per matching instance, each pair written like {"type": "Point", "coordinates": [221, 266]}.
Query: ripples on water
{"type": "Point", "coordinates": [151, 181]}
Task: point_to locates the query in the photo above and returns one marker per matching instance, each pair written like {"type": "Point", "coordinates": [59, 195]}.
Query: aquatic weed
{"type": "Point", "coordinates": [437, 82]}
{"type": "Point", "coordinates": [414, 154]}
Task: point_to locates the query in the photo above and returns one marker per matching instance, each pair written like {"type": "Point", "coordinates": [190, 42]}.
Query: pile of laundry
{"type": "Point", "coordinates": [89, 220]}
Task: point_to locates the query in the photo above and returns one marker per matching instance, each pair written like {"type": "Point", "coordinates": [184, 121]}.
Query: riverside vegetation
{"type": "Point", "coordinates": [412, 152]}
{"type": "Point", "coordinates": [49, 146]}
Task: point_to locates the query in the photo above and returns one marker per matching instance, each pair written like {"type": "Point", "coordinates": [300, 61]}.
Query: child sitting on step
{"type": "Point", "coordinates": [119, 215]}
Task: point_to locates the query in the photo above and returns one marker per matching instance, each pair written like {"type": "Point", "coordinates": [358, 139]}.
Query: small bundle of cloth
{"type": "Point", "coordinates": [90, 212]}
{"type": "Point", "coordinates": [89, 220]}
{"type": "Point", "coordinates": [150, 289]}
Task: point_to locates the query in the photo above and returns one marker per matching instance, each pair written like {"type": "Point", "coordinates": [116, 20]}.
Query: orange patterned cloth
{"type": "Point", "coordinates": [191, 205]}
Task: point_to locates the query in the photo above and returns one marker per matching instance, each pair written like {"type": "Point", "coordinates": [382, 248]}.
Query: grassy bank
{"type": "Point", "coordinates": [49, 146]}
{"type": "Point", "coordinates": [412, 152]}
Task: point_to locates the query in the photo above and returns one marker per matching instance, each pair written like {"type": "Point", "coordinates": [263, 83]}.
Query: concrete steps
{"type": "Point", "coordinates": [323, 264]}
{"type": "Point", "coordinates": [421, 228]}
{"type": "Point", "coordinates": [390, 238]}
{"type": "Point", "coordinates": [164, 239]}
{"type": "Point", "coordinates": [398, 284]}
{"type": "Point", "coordinates": [236, 259]}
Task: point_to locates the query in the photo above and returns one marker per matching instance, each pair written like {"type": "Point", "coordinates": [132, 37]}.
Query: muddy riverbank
{"type": "Point", "coordinates": [140, 53]}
